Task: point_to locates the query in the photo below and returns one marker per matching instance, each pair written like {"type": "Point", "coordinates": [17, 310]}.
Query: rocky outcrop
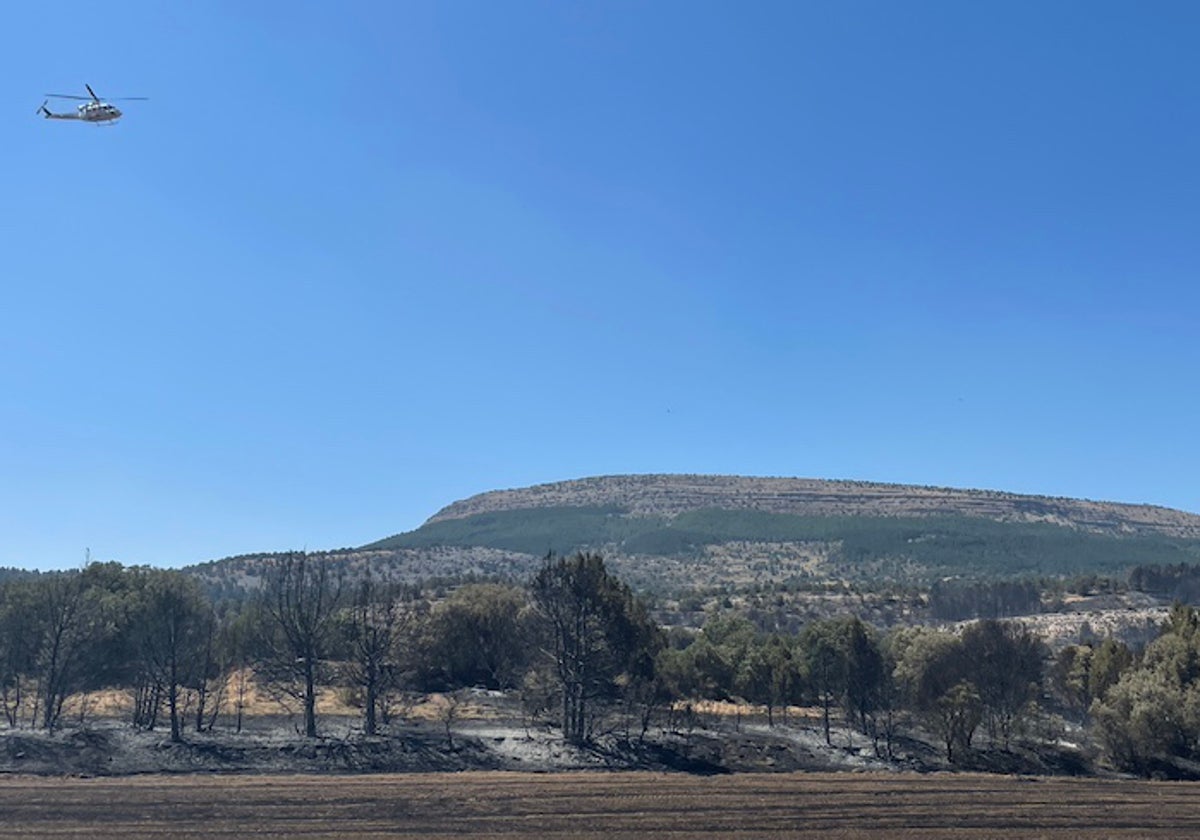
{"type": "Point", "coordinates": [671, 495]}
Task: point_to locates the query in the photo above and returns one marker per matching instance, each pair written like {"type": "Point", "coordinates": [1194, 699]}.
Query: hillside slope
{"type": "Point", "coordinates": [670, 495]}
{"type": "Point", "coordinates": [686, 531]}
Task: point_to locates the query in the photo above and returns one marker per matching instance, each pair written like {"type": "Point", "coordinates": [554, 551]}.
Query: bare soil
{"type": "Point", "coordinates": [597, 804]}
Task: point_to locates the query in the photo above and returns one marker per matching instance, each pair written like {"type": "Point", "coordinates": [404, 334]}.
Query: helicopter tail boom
{"type": "Point", "coordinates": [50, 115]}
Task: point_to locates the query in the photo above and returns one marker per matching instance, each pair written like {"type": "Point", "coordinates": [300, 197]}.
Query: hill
{"type": "Point", "coordinates": [668, 496]}
{"type": "Point", "coordinates": [670, 532]}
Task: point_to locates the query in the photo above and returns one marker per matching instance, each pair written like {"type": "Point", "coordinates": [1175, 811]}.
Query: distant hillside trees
{"type": "Point", "coordinates": [868, 549]}
{"type": "Point", "coordinates": [1179, 582]}
{"type": "Point", "coordinates": [956, 600]}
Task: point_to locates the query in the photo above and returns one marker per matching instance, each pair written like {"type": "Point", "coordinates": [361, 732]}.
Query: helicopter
{"type": "Point", "coordinates": [93, 110]}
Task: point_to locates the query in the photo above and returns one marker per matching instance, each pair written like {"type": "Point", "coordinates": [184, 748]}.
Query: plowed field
{"type": "Point", "coordinates": [609, 805]}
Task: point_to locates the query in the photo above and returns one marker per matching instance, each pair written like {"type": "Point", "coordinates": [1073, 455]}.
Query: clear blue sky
{"type": "Point", "coordinates": [354, 261]}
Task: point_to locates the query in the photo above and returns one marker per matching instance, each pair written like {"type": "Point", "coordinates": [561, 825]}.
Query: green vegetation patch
{"type": "Point", "coordinates": [942, 545]}
{"type": "Point", "coordinates": [948, 544]}
{"type": "Point", "coordinates": [529, 530]}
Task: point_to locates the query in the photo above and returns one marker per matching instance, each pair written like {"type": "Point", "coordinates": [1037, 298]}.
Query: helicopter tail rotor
{"type": "Point", "coordinates": [42, 110]}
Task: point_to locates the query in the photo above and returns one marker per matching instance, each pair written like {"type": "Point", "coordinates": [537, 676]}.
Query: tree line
{"type": "Point", "coordinates": [1180, 581]}
{"type": "Point", "coordinates": [575, 644]}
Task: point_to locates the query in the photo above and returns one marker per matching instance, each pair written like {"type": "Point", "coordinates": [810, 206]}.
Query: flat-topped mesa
{"type": "Point", "coordinates": [671, 495]}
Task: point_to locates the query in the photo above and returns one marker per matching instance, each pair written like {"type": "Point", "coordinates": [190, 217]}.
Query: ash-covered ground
{"type": "Point", "coordinates": [720, 743]}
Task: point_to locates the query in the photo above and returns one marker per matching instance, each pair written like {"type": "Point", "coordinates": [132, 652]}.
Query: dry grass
{"type": "Point", "coordinates": [614, 806]}
{"type": "Point", "coordinates": [258, 702]}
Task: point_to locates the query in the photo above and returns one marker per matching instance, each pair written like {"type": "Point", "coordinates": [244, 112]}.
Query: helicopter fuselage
{"type": "Point", "coordinates": [99, 113]}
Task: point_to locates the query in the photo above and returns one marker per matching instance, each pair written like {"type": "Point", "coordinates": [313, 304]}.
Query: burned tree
{"type": "Point", "coordinates": [596, 633]}
{"type": "Point", "coordinates": [374, 628]}
{"type": "Point", "coordinates": [171, 626]}
{"type": "Point", "coordinates": [298, 603]}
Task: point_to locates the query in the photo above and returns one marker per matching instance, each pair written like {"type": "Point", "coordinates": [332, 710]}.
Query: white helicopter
{"type": "Point", "coordinates": [93, 110]}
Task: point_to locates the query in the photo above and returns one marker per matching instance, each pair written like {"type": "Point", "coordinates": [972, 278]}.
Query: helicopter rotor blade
{"type": "Point", "coordinates": [94, 98]}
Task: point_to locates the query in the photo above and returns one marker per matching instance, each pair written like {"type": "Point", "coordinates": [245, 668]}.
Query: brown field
{"type": "Point", "coordinates": [610, 805]}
